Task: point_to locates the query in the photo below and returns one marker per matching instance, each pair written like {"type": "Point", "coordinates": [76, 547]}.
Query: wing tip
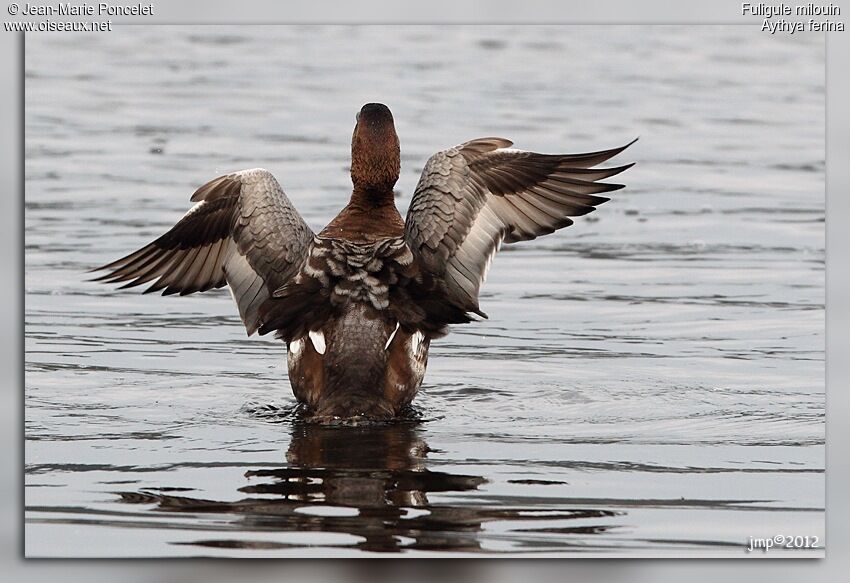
{"type": "Point", "coordinates": [621, 149]}
{"type": "Point", "coordinates": [478, 312]}
{"type": "Point", "coordinates": [130, 284]}
{"type": "Point", "coordinates": [221, 186]}
{"type": "Point", "coordinates": [483, 145]}
{"type": "Point", "coordinates": [99, 278]}
{"type": "Point", "coordinates": [611, 187]}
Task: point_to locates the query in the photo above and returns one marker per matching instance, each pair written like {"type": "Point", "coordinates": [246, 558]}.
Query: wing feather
{"type": "Point", "coordinates": [243, 232]}
{"type": "Point", "coordinates": [472, 198]}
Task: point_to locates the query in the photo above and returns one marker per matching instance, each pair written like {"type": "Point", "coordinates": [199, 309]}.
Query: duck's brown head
{"type": "Point", "coordinates": [375, 155]}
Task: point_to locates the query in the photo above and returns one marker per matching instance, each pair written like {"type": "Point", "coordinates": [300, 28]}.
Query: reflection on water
{"type": "Point", "coordinates": [371, 482]}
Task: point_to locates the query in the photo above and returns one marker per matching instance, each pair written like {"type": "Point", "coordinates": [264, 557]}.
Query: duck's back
{"type": "Point", "coordinates": [353, 345]}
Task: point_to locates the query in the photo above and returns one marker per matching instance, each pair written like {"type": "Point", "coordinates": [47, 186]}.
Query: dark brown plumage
{"type": "Point", "coordinates": [359, 303]}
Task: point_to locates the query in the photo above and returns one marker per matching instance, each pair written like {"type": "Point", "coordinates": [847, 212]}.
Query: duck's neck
{"type": "Point", "coordinates": [372, 198]}
{"type": "Point", "coordinates": [370, 215]}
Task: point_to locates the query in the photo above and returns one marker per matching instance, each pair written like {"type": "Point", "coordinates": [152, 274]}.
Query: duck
{"type": "Point", "coordinates": [359, 303]}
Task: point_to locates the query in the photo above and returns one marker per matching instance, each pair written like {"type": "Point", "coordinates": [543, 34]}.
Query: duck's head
{"type": "Point", "coordinates": [375, 155]}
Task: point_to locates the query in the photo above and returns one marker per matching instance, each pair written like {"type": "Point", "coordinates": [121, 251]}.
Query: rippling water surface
{"type": "Point", "coordinates": [650, 380]}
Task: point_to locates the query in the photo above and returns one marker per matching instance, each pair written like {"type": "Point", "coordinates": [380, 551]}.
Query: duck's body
{"type": "Point", "coordinates": [359, 303]}
{"type": "Point", "coordinates": [359, 355]}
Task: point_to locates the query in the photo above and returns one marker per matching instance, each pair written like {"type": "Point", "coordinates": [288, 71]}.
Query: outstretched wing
{"type": "Point", "coordinates": [472, 198]}
{"type": "Point", "coordinates": [243, 232]}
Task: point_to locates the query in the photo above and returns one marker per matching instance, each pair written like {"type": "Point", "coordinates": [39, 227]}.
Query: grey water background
{"type": "Point", "coordinates": [650, 380]}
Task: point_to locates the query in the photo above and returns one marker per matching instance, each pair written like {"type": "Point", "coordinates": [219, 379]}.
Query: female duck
{"type": "Point", "coordinates": [359, 303]}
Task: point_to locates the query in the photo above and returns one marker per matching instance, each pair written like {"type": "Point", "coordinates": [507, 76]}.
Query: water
{"type": "Point", "coordinates": [650, 380]}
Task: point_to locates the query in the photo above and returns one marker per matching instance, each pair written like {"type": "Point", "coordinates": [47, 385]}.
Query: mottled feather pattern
{"type": "Point", "coordinates": [357, 272]}
{"type": "Point", "coordinates": [243, 231]}
{"type": "Point", "coordinates": [472, 198]}
{"type": "Point", "coordinates": [445, 207]}
{"type": "Point", "coordinates": [269, 231]}
{"type": "Point", "coordinates": [334, 274]}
